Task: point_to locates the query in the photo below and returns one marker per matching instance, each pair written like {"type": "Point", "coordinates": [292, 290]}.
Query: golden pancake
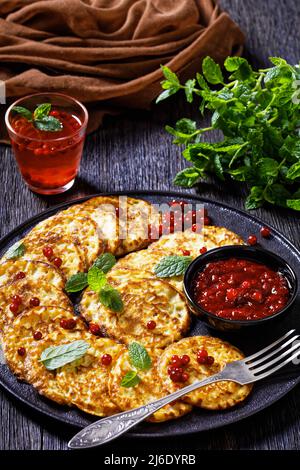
{"type": "Point", "coordinates": [149, 389]}
{"type": "Point", "coordinates": [188, 241]}
{"type": "Point", "coordinates": [81, 230]}
{"type": "Point", "coordinates": [134, 231]}
{"type": "Point", "coordinates": [220, 236]}
{"type": "Point", "coordinates": [144, 300]}
{"type": "Point", "coordinates": [20, 334]}
{"type": "Point", "coordinates": [104, 216]}
{"type": "Point", "coordinates": [38, 271]}
{"type": "Point", "coordinates": [29, 290]}
{"type": "Point", "coordinates": [145, 261]}
{"type": "Point", "coordinates": [123, 221]}
{"type": "Point", "coordinates": [85, 381]}
{"type": "Point", "coordinates": [63, 247]}
{"type": "Point", "coordinates": [217, 396]}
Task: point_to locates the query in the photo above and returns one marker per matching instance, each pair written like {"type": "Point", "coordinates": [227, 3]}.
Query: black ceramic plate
{"type": "Point", "coordinates": [264, 393]}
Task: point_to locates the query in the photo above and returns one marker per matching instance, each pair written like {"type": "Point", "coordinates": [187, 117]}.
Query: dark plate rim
{"type": "Point", "coordinates": [147, 193]}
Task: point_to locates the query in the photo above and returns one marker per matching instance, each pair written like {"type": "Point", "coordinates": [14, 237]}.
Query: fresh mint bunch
{"type": "Point", "coordinates": [259, 116]}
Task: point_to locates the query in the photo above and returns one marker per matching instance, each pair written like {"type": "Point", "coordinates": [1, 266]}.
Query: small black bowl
{"type": "Point", "coordinates": [244, 252]}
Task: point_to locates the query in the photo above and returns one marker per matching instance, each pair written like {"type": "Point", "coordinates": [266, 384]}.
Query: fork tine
{"type": "Point", "coordinates": [272, 353]}
{"type": "Point", "coordinates": [259, 353]}
{"type": "Point", "coordinates": [279, 366]}
{"type": "Point", "coordinates": [278, 358]}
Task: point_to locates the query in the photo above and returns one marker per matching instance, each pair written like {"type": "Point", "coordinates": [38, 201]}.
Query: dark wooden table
{"type": "Point", "coordinates": [133, 152]}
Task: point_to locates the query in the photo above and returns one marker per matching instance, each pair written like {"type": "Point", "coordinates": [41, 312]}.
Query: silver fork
{"type": "Point", "coordinates": [251, 369]}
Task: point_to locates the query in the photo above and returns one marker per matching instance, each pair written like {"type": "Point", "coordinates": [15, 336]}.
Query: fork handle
{"type": "Point", "coordinates": [107, 429]}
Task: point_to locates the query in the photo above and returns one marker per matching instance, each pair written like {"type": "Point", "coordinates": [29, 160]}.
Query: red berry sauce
{"type": "Point", "coordinates": [238, 289]}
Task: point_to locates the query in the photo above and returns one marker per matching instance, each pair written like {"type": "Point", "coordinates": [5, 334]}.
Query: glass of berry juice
{"type": "Point", "coordinates": [47, 132]}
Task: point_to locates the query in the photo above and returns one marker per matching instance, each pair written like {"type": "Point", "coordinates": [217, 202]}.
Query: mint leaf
{"type": "Point", "coordinates": [233, 63]}
{"type": "Point", "coordinates": [201, 81]}
{"type": "Point", "coordinates": [212, 71]}
{"type": "Point", "coordinates": [96, 279]}
{"type": "Point", "coordinates": [169, 75]}
{"type": "Point", "coordinates": [131, 379]}
{"type": "Point", "coordinates": [171, 85]}
{"type": "Point", "coordinates": [189, 89]}
{"type": "Point", "coordinates": [293, 204]}
{"type": "Point", "coordinates": [58, 356]}
{"type": "Point", "coordinates": [186, 126]}
{"type": "Point", "coordinates": [293, 172]}
{"type": "Point", "coordinates": [170, 266]}
{"type": "Point", "coordinates": [166, 94]}
{"type": "Point", "coordinates": [187, 177]}
{"type": "Point", "coordinates": [48, 123]}
{"type": "Point", "coordinates": [105, 262]}
{"type": "Point", "coordinates": [218, 167]}
{"type": "Point", "coordinates": [277, 194]}
{"type": "Point", "coordinates": [267, 168]}
{"type": "Point", "coordinates": [24, 112]}
{"type": "Point", "coordinates": [139, 356]}
{"type": "Point", "coordinates": [278, 61]}
{"type": "Point", "coordinates": [111, 298]}
{"type": "Point", "coordinates": [15, 252]}
{"type": "Point", "coordinates": [41, 111]}
{"type": "Point", "coordinates": [240, 66]}
{"type": "Point", "coordinates": [255, 198]}
{"type": "Point", "coordinates": [76, 283]}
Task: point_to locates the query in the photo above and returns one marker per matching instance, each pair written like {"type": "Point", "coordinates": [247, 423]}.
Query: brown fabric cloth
{"type": "Point", "coordinates": [107, 53]}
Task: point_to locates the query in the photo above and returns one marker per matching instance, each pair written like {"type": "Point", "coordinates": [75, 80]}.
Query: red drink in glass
{"type": "Point", "coordinates": [48, 161]}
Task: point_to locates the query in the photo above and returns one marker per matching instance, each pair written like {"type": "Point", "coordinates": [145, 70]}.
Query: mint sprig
{"type": "Point", "coordinates": [131, 379]}
{"type": "Point", "coordinates": [76, 283]}
{"type": "Point", "coordinates": [16, 251]}
{"type": "Point", "coordinates": [48, 123]}
{"type": "Point", "coordinates": [105, 262]}
{"type": "Point", "coordinates": [24, 112]}
{"type": "Point", "coordinates": [139, 356]}
{"type": "Point", "coordinates": [58, 356]}
{"type": "Point", "coordinates": [40, 117]}
{"type": "Point", "coordinates": [258, 113]}
{"type": "Point", "coordinates": [42, 111]}
{"type": "Point", "coordinates": [140, 359]}
{"type": "Point", "coordinates": [173, 265]}
{"type": "Point", "coordinates": [111, 298]}
{"type": "Point", "coordinates": [96, 280]}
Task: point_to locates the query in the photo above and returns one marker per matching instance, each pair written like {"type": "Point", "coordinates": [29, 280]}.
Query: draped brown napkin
{"type": "Point", "coordinates": [107, 53]}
